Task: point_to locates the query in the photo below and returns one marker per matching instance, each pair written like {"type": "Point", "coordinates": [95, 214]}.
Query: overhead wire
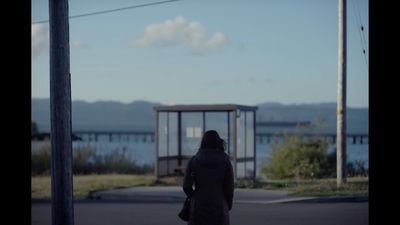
{"type": "Point", "coordinates": [360, 29]}
{"type": "Point", "coordinates": [361, 24]}
{"type": "Point", "coordinates": [111, 10]}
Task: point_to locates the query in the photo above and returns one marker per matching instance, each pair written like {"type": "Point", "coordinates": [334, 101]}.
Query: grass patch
{"type": "Point", "coordinates": [248, 184]}
{"type": "Point", "coordinates": [170, 181]}
{"type": "Point", "coordinates": [355, 186]}
{"type": "Point", "coordinates": [86, 184]}
{"type": "Point", "coordinates": [327, 187]}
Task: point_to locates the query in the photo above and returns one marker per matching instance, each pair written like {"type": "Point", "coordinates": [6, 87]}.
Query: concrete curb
{"type": "Point", "coordinates": [285, 200]}
{"type": "Point", "coordinates": [137, 198]}
{"type": "Point", "coordinates": [332, 199]}
{"type": "Point", "coordinates": [175, 194]}
{"type": "Point", "coordinates": [175, 199]}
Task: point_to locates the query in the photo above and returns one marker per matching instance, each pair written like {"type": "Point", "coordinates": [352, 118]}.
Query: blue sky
{"type": "Point", "coordinates": [207, 52]}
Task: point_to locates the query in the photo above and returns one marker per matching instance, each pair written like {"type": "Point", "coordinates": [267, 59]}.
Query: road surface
{"type": "Point", "coordinates": [103, 212]}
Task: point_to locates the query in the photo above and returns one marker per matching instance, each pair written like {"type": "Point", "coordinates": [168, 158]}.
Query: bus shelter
{"type": "Point", "coordinates": [179, 129]}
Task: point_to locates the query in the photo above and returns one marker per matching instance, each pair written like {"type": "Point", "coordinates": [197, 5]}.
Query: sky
{"type": "Point", "coordinates": [207, 52]}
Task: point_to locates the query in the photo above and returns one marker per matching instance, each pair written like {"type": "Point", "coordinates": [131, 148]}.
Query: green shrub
{"type": "Point", "coordinates": [328, 166]}
{"type": "Point", "coordinates": [303, 158]}
{"type": "Point", "coordinates": [86, 161]}
{"type": "Point", "coordinates": [41, 160]}
{"type": "Point", "coordinates": [357, 169]}
{"type": "Point", "coordinates": [296, 157]}
{"type": "Point", "coordinates": [81, 157]}
{"type": "Point", "coordinates": [34, 128]}
{"type": "Point", "coordinates": [117, 162]}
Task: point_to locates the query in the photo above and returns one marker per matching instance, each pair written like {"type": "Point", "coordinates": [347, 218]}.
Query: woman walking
{"type": "Point", "coordinates": [210, 172]}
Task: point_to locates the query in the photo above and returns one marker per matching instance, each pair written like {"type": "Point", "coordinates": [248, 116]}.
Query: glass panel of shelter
{"type": "Point", "coordinates": [245, 143]}
{"type": "Point", "coordinates": [249, 163]}
{"type": "Point", "coordinates": [162, 163]}
{"type": "Point", "coordinates": [240, 129]}
{"type": "Point", "coordinates": [172, 142]}
{"type": "Point", "coordinates": [191, 132]}
{"type": "Point", "coordinates": [172, 134]}
{"type": "Point", "coordinates": [218, 121]}
{"type": "Point", "coordinates": [249, 134]}
{"type": "Point", "coordinates": [162, 134]}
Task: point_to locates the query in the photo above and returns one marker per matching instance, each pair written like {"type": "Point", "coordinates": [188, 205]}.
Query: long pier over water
{"type": "Point", "coordinates": [261, 137]}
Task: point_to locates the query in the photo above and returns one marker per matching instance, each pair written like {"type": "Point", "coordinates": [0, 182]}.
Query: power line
{"type": "Point", "coordinates": [361, 26]}
{"type": "Point", "coordinates": [111, 10]}
{"type": "Point", "coordinates": [360, 29]}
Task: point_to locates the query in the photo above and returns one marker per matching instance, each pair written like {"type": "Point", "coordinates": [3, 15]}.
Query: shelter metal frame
{"type": "Point", "coordinates": [239, 134]}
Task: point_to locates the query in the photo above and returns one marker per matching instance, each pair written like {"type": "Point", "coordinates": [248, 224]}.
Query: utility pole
{"type": "Point", "coordinates": [341, 100]}
{"type": "Point", "coordinates": [60, 115]}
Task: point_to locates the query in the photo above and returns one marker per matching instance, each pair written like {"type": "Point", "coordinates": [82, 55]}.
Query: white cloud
{"type": "Point", "coordinates": [40, 39]}
{"type": "Point", "coordinates": [217, 40]}
{"type": "Point", "coordinates": [79, 44]}
{"type": "Point", "coordinates": [180, 32]}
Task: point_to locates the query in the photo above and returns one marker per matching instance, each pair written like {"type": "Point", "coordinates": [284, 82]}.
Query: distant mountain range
{"type": "Point", "coordinates": [100, 116]}
{"type": "Point", "coordinates": [140, 116]}
{"type": "Point", "coordinates": [321, 115]}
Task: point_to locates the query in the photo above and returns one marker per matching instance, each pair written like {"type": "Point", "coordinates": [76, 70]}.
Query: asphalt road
{"type": "Point", "coordinates": [121, 213]}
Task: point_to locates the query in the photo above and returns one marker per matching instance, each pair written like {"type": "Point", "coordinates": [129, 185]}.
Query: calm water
{"type": "Point", "coordinates": [143, 151]}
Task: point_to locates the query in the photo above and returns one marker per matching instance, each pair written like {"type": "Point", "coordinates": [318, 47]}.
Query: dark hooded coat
{"type": "Point", "coordinates": [210, 172]}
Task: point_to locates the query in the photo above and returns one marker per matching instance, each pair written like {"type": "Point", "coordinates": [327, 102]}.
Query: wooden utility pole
{"type": "Point", "coordinates": [341, 100]}
{"type": "Point", "coordinates": [60, 115]}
